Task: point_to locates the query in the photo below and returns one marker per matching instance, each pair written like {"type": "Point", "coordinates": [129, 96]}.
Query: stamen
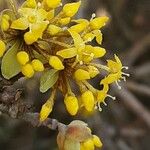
{"type": "Point", "coordinates": [119, 87]}
{"type": "Point", "coordinates": [125, 67]}
{"type": "Point", "coordinates": [99, 107]}
{"type": "Point", "coordinates": [126, 74]}
{"type": "Point", "coordinates": [93, 16]}
{"type": "Point", "coordinates": [124, 78]}
{"type": "Point", "coordinates": [112, 97]}
{"type": "Point", "coordinates": [60, 4]}
{"type": "Point", "coordinates": [105, 103]}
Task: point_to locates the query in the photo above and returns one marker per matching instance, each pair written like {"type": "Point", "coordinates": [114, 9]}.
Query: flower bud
{"type": "Point", "coordinates": [81, 74]}
{"type": "Point", "coordinates": [53, 29]}
{"type": "Point", "coordinates": [88, 144]}
{"type": "Point", "coordinates": [37, 65]}
{"type": "Point", "coordinates": [46, 110]}
{"type": "Point", "coordinates": [88, 100]}
{"type": "Point", "coordinates": [22, 57]}
{"type": "Point", "coordinates": [30, 38]}
{"type": "Point", "coordinates": [56, 63]}
{"type": "Point", "coordinates": [27, 70]}
{"type": "Point", "coordinates": [97, 141]}
{"type": "Point", "coordinates": [2, 48]}
{"type": "Point", "coordinates": [71, 103]}
{"type": "Point", "coordinates": [71, 9]}
{"type": "Point", "coordinates": [99, 22]}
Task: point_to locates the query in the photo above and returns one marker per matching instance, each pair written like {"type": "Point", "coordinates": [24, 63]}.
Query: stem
{"type": "Point", "coordinates": [59, 43]}
{"type": "Point", "coordinates": [89, 86]}
{"type": "Point", "coordinates": [100, 66]}
{"type": "Point", "coordinates": [13, 7]}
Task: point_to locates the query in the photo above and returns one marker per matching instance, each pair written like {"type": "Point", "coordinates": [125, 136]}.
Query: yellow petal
{"type": "Point", "coordinates": [97, 23]}
{"type": "Point", "coordinates": [39, 28]}
{"type": "Point", "coordinates": [42, 14]}
{"type": "Point", "coordinates": [78, 41]}
{"type": "Point", "coordinates": [30, 3]}
{"type": "Point", "coordinates": [111, 78]}
{"type": "Point", "coordinates": [98, 35]}
{"type": "Point", "coordinates": [20, 24]}
{"type": "Point", "coordinates": [98, 52]}
{"type": "Point", "coordinates": [67, 53]}
{"type": "Point", "coordinates": [71, 9]}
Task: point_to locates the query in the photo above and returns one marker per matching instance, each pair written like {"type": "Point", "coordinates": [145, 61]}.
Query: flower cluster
{"type": "Point", "coordinates": [39, 37]}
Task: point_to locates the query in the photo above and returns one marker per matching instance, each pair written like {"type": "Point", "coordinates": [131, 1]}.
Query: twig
{"type": "Point", "coordinates": [137, 50]}
{"type": "Point", "coordinates": [139, 88]}
{"type": "Point", "coordinates": [133, 104]}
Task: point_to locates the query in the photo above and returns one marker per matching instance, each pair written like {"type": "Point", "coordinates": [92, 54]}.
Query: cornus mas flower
{"type": "Point", "coordinates": [34, 38]}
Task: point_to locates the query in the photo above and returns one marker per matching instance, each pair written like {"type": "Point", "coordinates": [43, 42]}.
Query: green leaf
{"type": "Point", "coordinates": [10, 67]}
{"type": "Point", "coordinates": [48, 79]}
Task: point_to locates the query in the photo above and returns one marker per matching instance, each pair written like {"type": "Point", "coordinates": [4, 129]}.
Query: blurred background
{"type": "Point", "coordinates": [125, 123]}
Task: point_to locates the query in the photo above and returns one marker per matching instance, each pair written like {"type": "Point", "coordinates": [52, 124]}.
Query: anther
{"type": "Point", "coordinates": [112, 97]}
{"type": "Point", "coordinates": [93, 16]}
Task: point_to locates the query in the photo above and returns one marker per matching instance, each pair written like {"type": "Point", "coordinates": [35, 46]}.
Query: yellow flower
{"type": "Point", "coordinates": [101, 96]}
{"type": "Point", "coordinates": [81, 74]}
{"type": "Point", "coordinates": [27, 70]}
{"type": "Point", "coordinates": [37, 65]}
{"type": "Point", "coordinates": [34, 19]}
{"type": "Point", "coordinates": [53, 29]}
{"type": "Point", "coordinates": [71, 103]}
{"type": "Point", "coordinates": [77, 50]}
{"type": "Point", "coordinates": [22, 57]}
{"type": "Point", "coordinates": [88, 100]}
{"type": "Point", "coordinates": [97, 141]}
{"type": "Point", "coordinates": [115, 69]}
{"type": "Point", "coordinates": [97, 23]}
{"type": "Point", "coordinates": [2, 48]}
{"type": "Point", "coordinates": [46, 110]}
{"type": "Point", "coordinates": [56, 63]}
{"type": "Point", "coordinates": [71, 9]}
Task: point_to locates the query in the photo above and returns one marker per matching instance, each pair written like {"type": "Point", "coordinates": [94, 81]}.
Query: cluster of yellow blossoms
{"type": "Point", "coordinates": [59, 47]}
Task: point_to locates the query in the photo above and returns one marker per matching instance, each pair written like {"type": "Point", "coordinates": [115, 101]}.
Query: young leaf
{"type": "Point", "coordinates": [10, 67]}
{"type": "Point", "coordinates": [48, 79]}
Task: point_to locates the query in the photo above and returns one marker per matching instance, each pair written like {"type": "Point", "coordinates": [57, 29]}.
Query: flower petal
{"type": "Point", "coordinates": [20, 24]}
{"type": "Point", "coordinates": [67, 53]}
